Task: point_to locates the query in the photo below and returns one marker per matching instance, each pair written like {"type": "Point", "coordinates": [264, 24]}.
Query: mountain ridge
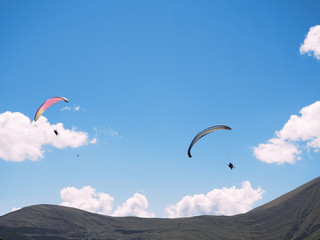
{"type": "Point", "coordinates": [293, 216]}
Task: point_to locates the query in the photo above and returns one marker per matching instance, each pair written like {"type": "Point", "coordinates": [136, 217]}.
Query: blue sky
{"type": "Point", "coordinates": [142, 78]}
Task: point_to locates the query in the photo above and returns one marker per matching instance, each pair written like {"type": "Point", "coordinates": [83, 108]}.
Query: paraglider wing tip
{"type": "Point", "coordinates": [189, 151]}
{"type": "Point", "coordinates": [38, 114]}
{"type": "Point", "coordinates": [65, 99]}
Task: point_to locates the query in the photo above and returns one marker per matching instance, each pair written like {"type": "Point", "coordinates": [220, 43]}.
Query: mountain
{"type": "Point", "coordinates": [295, 215]}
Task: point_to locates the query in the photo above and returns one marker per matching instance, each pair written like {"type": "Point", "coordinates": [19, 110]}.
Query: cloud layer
{"type": "Point", "coordinates": [225, 201]}
{"type": "Point", "coordinates": [311, 43]}
{"type": "Point", "coordinates": [88, 199]}
{"type": "Point", "coordinates": [300, 132]}
{"type": "Point", "coordinates": [134, 206]}
{"type": "Point", "coordinates": [21, 139]}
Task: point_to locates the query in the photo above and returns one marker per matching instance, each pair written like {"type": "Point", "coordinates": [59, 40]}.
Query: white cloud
{"type": "Point", "coordinates": [304, 128]}
{"type": "Point", "coordinates": [66, 108]}
{"type": "Point", "coordinates": [134, 206]}
{"type": "Point", "coordinates": [312, 42]}
{"type": "Point", "coordinates": [104, 133]}
{"type": "Point", "coordinates": [87, 199]}
{"type": "Point", "coordinates": [112, 133]}
{"type": "Point", "coordinates": [75, 108]}
{"type": "Point", "coordinates": [21, 139]}
{"type": "Point", "coordinates": [225, 201]}
{"type": "Point", "coordinates": [297, 131]}
{"type": "Point", "coordinates": [277, 150]}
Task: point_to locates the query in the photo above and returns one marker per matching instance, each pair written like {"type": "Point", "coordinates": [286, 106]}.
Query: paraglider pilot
{"type": "Point", "coordinates": [230, 165]}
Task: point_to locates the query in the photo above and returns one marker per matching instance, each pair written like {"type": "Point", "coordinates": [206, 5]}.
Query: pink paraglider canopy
{"type": "Point", "coordinates": [48, 103]}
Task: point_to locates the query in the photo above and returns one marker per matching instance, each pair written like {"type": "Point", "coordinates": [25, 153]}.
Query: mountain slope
{"type": "Point", "coordinates": [295, 215]}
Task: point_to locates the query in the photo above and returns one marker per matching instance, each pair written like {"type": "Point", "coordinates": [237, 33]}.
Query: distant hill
{"type": "Point", "coordinates": [295, 215]}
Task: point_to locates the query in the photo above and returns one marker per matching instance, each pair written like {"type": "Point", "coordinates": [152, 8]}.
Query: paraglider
{"type": "Point", "coordinates": [231, 166]}
{"type": "Point", "coordinates": [48, 103]}
{"type": "Point", "coordinates": [205, 132]}
{"type": "Point", "coordinates": [56, 132]}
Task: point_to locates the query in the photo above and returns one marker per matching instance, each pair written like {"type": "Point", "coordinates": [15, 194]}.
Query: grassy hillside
{"type": "Point", "coordinates": [295, 215]}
